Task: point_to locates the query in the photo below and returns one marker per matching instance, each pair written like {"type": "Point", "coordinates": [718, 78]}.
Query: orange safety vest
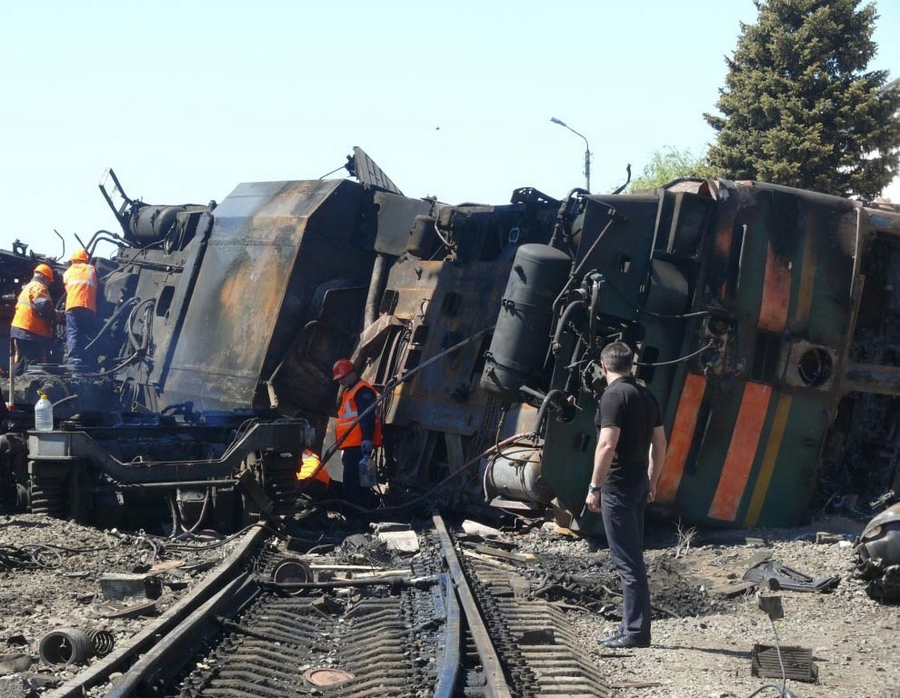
{"type": "Point", "coordinates": [309, 461]}
{"type": "Point", "coordinates": [27, 317]}
{"type": "Point", "coordinates": [80, 281]}
{"type": "Point", "coordinates": [348, 414]}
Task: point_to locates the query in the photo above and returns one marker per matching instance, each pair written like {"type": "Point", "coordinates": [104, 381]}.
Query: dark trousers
{"type": "Point", "coordinates": [79, 322]}
{"type": "Point", "coordinates": [623, 520]}
{"type": "Point", "coordinates": [30, 351]}
{"type": "Point", "coordinates": [350, 457]}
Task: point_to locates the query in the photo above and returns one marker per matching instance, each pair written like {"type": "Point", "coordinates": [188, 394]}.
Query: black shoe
{"type": "Point", "coordinates": [609, 638]}
{"type": "Point", "coordinates": [626, 641]}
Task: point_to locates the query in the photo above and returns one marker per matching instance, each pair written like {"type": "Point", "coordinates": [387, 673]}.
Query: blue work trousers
{"type": "Point", "coordinates": [79, 323]}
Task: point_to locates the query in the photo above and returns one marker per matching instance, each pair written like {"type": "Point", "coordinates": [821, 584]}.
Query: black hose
{"type": "Point", "coordinates": [563, 321]}
{"type": "Point", "coordinates": [545, 405]}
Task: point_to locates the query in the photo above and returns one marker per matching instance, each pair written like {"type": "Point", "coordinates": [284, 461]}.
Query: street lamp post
{"type": "Point", "coordinates": [587, 151]}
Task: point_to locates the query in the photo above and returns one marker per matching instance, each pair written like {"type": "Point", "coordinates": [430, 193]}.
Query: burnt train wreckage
{"type": "Point", "coordinates": [766, 321]}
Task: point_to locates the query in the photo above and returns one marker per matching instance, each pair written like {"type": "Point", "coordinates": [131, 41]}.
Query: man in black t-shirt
{"type": "Point", "coordinates": [631, 447]}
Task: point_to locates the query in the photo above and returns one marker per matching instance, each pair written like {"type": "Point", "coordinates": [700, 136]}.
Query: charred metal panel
{"type": "Point", "coordinates": [396, 215]}
{"type": "Point", "coordinates": [368, 172]}
{"type": "Point", "coordinates": [150, 293]}
{"type": "Point", "coordinates": [254, 290]}
{"type": "Point", "coordinates": [622, 251]}
{"type": "Point", "coordinates": [444, 304]}
{"type": "Point", "coordinates": [437, 304]}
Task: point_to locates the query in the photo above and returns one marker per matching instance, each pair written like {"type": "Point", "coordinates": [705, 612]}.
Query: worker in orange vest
{"type": "Point", "coordinates": [80, 280]}
{"type": "Point", "coordinates": [312, 476]}
{"type": "Point", "coordinates": [363, 434]}
{"type": "Point", "coordinates": [32, 324]}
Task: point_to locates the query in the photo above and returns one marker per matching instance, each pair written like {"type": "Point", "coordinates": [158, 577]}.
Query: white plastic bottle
{"type": "Point", "coordinates": [43, 414]}
{"type": "Point", "coordinates": [372, 473]}
{"type": "Point", "coordinates": [367, 474]}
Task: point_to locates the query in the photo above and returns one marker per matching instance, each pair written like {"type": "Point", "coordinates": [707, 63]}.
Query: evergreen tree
{"type": "Point", "coordinates": [798, 107]}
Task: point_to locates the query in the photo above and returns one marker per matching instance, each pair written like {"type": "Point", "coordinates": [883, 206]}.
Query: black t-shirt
{"type": "Point", "coordinates": [633, 409]}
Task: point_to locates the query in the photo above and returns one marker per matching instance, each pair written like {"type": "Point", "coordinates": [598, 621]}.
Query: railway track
{"type": "Point", "coordinates": [276, 623]}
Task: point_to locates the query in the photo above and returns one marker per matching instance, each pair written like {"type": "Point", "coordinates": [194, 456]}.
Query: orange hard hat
{"type": "Point", "coordinates": [44, 270]}
{"type": "Point", "coordinates": [341, 368]}
{"type": "Point", "coordinates": [79, 255]}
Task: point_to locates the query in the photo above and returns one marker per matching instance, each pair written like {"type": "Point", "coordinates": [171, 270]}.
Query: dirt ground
{"type": "Point", "coordinates": [707, 652]}
{"type": "Point", "coordinates": [704, 630]}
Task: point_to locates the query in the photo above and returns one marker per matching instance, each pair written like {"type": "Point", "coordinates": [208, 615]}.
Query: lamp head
{"type": "Point", "coordinates": [556, 121]}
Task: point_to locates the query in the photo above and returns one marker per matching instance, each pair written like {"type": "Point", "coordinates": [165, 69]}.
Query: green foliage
{"type": "Point", "coordinates": [667, 165]}
{"type": "Point", "coordinates": [798, 107]}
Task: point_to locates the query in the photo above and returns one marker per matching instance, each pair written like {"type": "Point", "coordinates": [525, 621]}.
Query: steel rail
{"type": "Point", "coordinates": [493, 669]}
{"type": "Point", "coordinates": [145, 670]}
{"type": "Point", "coordinates": [448, 664]}
{"type": "Point", "coordinates": [123, 657]}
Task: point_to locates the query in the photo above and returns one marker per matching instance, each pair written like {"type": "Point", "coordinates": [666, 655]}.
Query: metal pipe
{"type": "Point", "coordinates": [230, 482]}
{"type": "Point", "coordinates": [871, 378]}
{"type": "Point", "coordinates": [376, 289]}
{"type": "Point", "coordinates": [12, 371]}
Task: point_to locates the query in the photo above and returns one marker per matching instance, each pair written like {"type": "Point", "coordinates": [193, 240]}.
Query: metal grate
{"type": "Point", "coordinates": [798, 663]}
{"type": "Point", "coordinates": [766, 352]}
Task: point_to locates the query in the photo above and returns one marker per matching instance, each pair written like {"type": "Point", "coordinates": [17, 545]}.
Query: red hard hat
{"type": "Point", "coordinates": [341, 368]}
{"type": "Point", "coordinates": [44, 270]}
{"type": "Point", "coordinates": [79, 256]}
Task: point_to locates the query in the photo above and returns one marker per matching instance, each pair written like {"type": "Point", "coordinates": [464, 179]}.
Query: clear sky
{"type": "Point", "coordinates": [185, 100]}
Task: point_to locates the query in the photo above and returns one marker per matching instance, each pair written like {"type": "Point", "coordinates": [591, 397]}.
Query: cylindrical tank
{"type": "Point", "coordinates": [149, 224]}
{"type": "Point", "coordinates": [522, 334]}
{"type": "Point", "coordinates": [516, 474]}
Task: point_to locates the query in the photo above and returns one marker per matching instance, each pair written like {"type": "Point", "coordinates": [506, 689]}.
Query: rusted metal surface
{"type": "Point", "coordinates": [257, 282]}
{"type": "Point", "coordinates": [765, 319]}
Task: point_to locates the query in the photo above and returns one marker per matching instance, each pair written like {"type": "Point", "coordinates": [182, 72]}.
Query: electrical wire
{"type": "Point", "coordinates": [440, 234]}
{"type": "Point", "coordinates": [711, 344]}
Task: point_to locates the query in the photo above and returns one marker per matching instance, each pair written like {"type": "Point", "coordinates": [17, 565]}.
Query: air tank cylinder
{"type": "Point", "coordinates": [522, 335]}
{"type": "Point", "coordinates": [516, 474]}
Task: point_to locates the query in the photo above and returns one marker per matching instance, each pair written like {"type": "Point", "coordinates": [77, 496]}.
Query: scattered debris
{"type": "Point", "coordinates": [779, 576]}
{"type": "Point", "coordinates": [473, 528]}
{"type": "Point", "coordinates": [794, 663]}
{"type": "Point", "coordinates": [503, 554]}
{"type": "Point", "coordinates": [122, 586]}
{"type": "Point", "coordinates": [823, 538]}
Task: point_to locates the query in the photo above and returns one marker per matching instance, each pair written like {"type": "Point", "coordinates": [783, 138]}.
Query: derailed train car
{"type": "Point", "coordinates": [765, 321]}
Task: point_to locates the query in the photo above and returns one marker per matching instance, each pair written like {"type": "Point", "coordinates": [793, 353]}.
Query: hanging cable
{"type": "Point", "coordinates": [711, 344]}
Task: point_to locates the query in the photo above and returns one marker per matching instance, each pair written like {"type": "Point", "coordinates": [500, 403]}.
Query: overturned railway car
{"type": "Point", "coordinates": [766, 320]}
